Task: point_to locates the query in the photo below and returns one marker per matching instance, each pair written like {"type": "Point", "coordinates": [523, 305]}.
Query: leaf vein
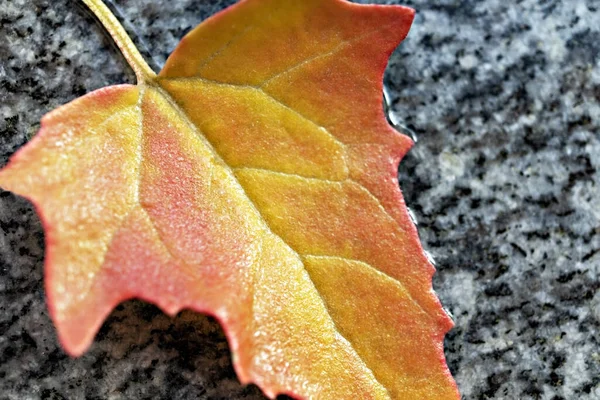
{"type": "Point", "coordinates": [371, 268]}
{"type": "Point", "coordinates": [339, 47]}
{"type": "Point", "coordinates": [218, 158]}
{"type": "Point", "coordinates": [220, 50]}
{"type": "Point", "coordinates": [298, 176]}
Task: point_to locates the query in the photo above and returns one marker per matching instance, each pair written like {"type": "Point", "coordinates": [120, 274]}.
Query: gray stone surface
{"type": "Point", "coordinates": [504, 97]}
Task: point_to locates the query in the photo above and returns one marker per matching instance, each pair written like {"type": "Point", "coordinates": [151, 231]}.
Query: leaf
{"type": "Point", "coordinates": [254, 179]}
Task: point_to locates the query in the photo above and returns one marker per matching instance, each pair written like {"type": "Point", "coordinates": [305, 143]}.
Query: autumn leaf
{"type": "Point", "coordinates": [253, 179]}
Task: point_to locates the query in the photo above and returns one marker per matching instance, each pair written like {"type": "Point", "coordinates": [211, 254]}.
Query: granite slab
{"type": "Point", "coordinates": [504, 180]}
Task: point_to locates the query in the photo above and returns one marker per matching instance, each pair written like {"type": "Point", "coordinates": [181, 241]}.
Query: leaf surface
{"type": "Point", "coordinates": [254, 179]}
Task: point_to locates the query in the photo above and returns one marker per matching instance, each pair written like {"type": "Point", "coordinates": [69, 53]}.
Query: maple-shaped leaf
{"type": "Point", "coordinates": [253, 179]}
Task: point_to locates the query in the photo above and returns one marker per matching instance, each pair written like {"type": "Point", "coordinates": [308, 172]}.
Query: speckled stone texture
{"type": "Point", "coordinates": [504, 97]}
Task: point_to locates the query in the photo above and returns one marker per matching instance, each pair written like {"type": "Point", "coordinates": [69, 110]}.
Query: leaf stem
{"type": "Point", "coordinates": [142, 70]}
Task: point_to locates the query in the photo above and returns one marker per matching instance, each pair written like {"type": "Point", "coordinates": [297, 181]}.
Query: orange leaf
{"type": "Point", "coordinates": [253, 179]}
